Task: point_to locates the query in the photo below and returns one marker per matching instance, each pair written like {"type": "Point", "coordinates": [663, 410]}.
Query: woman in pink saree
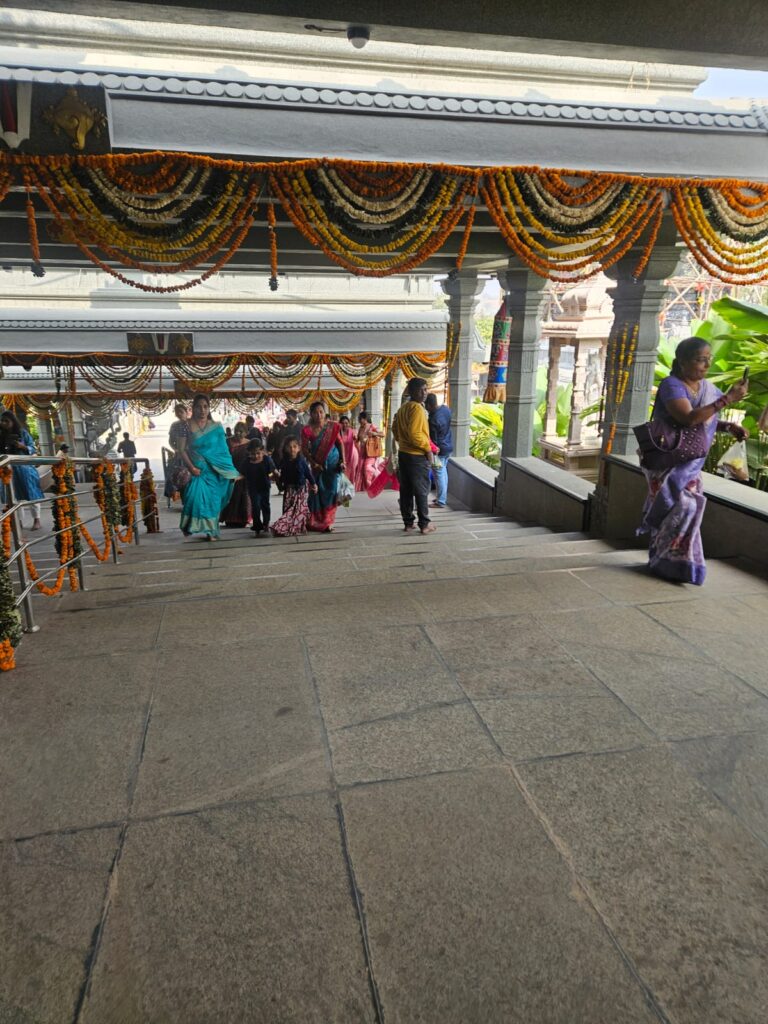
{"type": "Point", "coordinates": [351, 451]}
{"type": "Point", "coordinates": [371, 463]}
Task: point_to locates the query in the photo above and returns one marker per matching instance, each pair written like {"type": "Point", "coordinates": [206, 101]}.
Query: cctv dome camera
{"type": "Point", "coordinates": [358, 35]}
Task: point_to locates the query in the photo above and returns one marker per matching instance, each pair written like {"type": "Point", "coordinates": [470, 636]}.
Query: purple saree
{"type": "Point", "coordinates": [675, 504]}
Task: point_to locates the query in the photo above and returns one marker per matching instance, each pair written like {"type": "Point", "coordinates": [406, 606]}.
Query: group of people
{"type": "Point", "coordinates": [228, 478]}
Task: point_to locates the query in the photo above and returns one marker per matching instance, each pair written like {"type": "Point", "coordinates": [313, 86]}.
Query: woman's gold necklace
{"type": "Point", "coordinates": [694, 391]}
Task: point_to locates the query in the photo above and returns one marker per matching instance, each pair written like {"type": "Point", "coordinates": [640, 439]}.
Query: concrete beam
{"type": "Point", "coordinates": [653, 31]}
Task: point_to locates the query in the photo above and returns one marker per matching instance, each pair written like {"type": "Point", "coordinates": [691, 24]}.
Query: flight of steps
{"type": "Point", "coordinates": [368, 550]}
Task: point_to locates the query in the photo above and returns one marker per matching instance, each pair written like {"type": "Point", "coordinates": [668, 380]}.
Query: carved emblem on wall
{"type": "Point", "coordinates": [74, 118]}
{"type": "Point", "coordinates": [160, 344]}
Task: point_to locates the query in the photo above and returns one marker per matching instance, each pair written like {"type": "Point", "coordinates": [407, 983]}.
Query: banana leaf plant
{"type": "Point", "coordinates": [738, 334]}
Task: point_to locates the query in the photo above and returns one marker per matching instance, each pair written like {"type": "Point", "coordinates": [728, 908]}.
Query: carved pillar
{"type": "Point", "coordinates": [578, 401]}
{"type": "Point", "coordinates": [374, 402]}
{"type": "Point", "coordinates": [523, 296]}
{"type": "Point", "coordinates": [636, 308]}
{"type": "Point", "coordinates": [462, 290]}
{"type": "Point", "coordinates": [397, 379]}
{"type": "Point", "coordinates": [553, 377]}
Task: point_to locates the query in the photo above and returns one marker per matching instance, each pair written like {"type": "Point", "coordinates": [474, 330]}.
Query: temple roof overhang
{"type": "Point", "coordinates": [218, 334]}
{"type": "Point", "coordinates": [260, 119]}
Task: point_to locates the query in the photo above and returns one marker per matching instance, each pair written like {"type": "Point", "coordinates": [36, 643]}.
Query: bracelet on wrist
{"type": "Point", "coordinates": [720, 403]}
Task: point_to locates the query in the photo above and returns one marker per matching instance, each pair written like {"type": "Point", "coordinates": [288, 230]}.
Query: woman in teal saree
{"type": "Point", "coordinates": [213, 474]}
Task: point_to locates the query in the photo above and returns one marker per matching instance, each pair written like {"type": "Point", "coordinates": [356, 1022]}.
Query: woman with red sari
{"type": "Point", "coordinates": [351, 451]}
{"type": "Point", "coordinates": [322, 448]}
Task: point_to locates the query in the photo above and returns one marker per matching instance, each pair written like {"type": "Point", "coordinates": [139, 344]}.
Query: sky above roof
{"type": "Point", "coordinates": [730, 83]}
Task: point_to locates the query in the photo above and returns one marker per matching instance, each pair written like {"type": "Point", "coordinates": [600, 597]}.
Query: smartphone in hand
{"type": "Point", "coordinates": [745, 376]}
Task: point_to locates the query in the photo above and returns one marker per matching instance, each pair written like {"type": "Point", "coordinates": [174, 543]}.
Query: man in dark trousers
{"type": "Point", "coordinates": [440, 433]}
{"type": "Point", "coordinates": [127, 449]}
{"type": "Point", "coordinates": [410, 429]}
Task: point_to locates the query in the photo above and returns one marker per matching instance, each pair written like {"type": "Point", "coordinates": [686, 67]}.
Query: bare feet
{"type": "Point", "coordinates": [408, 529]}
{"type": "Point", "coordinates": [429, 529]}
{"type": "Point", "coordinates": [36, 524]}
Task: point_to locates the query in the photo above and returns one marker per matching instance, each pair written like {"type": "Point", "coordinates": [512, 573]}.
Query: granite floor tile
{"type": "Point", "coordinates": [526, 727]}
{"type": "Point", "coordinates": [436, 739]}
{"type": "Point", "coordinates": [377, 675]}
{"type": "Point", "coordinates": [735, 769]}
{"type": "Point", "coordinates": [69, 741]}
{"type": "Point", "coordinates": [676, 697]}
{"type": "Point", "coordinates": [237, 915]}
{"type": "Point", "coordinates": [684, 887]}
{"type": "Point", "coordinates": [472, 914]}
{"type": "Point", "coordinates": [52, 890]}
{"type": "Point", "coordinates": [619, 628]}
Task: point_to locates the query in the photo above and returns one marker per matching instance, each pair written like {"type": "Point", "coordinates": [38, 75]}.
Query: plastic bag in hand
{"type": "Point", "coordinates": [346, 490]}
{"type": "Point", "coordinates": [733, 463]}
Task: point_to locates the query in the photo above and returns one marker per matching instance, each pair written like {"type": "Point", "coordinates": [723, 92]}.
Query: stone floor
{"type": "Point", "coordinates": [492, 775]}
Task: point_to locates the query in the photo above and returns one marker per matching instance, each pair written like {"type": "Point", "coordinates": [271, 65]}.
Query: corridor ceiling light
{"type": "Point", "coordinates": [358, 35]}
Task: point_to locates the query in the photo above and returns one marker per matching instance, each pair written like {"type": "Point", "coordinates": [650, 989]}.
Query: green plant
{"type": "Point", "coordinates": [486, 429]}
{"type": "Point", "coordinates": [487, 423]}
{"type": "Point", "coordinates": [738, 334]}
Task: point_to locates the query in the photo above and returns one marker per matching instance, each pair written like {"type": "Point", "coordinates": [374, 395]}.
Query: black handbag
{"type": "Point", "coordinates": [665, 444]}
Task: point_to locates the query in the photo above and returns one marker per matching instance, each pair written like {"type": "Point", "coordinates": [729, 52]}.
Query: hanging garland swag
{"type": "Point", "coordinates": [170, 213]}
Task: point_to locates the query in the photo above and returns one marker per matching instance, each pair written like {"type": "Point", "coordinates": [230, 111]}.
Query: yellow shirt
{"type": "Point", "coordinates": [410, 428]}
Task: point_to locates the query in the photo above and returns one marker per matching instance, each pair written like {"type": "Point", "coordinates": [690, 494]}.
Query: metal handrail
{"type": "Point", "coordinates": [14, 509]}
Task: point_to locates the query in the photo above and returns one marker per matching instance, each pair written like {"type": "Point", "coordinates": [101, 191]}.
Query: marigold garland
{"type": "Point", "coordinates": [171, 213]}
{"type": "Point", "coordinates": [149, 512]}
{"type": "Point", "coordinates": [129, 494]}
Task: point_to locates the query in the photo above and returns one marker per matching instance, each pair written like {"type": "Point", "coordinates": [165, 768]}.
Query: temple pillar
{"type": "Point", "coordinates": [45, 430]}
{"type": "Point", "coordinates": [462, 291]}
{"type": "Point", "coordinates": [397, 382]}
{"type": "Point", "coordinates": [524, 293]}
{"type": "Point", "coordinates": [578, 396]}
{"type": "Point", "coordinates": [637, 304]}
{"type": "Point", "coordinates": [553, 379]}
{"type": "Point", "coordinates": [374, 402]}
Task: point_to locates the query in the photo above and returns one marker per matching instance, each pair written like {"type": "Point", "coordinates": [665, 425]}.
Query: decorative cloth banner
{"type": "Point", "coordinates": [496, 388]}
{"type": "Point", "coordinates": [170, 213]}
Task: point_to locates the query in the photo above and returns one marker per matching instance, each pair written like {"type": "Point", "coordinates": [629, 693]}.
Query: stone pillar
{"type": "Point", "coordinates": [397, 378]}
{"type": "Point", "coordinates": [45, 428]}
{"type": "Point", "coordinates": [523, 291]}
{"type": "Point", "coordinates": [578, 401]}
{"type": "Point", "coordinates": [553, 378]}
{"type": "Point", "coordinates": [462, 290]}
{"type": "Point", "coordinates": [636, 308]}
{"type": "Point", "coordinates": [374, 402]}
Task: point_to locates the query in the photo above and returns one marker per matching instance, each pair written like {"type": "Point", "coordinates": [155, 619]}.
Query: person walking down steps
{"type": "Point", "coordinates": [410, 428]}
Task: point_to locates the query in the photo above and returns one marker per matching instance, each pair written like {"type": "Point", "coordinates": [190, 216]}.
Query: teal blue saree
{"type": "Point", "coordinates": [206, 496]}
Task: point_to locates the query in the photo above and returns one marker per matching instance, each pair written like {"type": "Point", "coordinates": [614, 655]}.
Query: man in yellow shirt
{"type": "Point", "coordinates": [410, 428]}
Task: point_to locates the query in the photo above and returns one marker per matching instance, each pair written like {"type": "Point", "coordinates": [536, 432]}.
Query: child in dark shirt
{"type": "Point", "coordinates": [259, 473]}
{"type": "Point", "coordinates": [296, 480]}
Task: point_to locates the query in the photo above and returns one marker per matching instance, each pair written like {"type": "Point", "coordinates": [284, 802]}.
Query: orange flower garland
{"type": "Point", "coordinates": [175, 212]}
{"type": "Point", "coordinates": [66, 523]}
{"type": "Point", "coordinates": [130, 494]}
{"type": "Point", "coordinates": [100, 496]}
{"type": "Point", "coordinates": [7, 656]}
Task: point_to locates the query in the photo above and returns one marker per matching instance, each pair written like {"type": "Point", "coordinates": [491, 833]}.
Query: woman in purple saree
{"type": "Point", "coordinates": [675, 504]}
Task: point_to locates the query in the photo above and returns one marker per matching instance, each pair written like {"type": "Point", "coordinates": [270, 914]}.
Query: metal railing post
{"type": "Point", "coordinates": [26, 602]}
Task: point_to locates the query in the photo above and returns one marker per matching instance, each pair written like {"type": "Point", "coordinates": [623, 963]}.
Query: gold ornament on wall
{"type": "Point", "coordinates": [73, 117]}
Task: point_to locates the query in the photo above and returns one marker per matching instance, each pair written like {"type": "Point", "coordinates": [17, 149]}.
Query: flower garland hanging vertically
{"type": "Point", "coordinates": [620, 360]}
{"type": "Point", "coordinates": [149, 512]}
